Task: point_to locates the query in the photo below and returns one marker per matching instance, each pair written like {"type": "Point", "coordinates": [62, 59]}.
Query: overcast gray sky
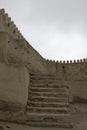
{"type": "Point", "coordinates": [55, 28]}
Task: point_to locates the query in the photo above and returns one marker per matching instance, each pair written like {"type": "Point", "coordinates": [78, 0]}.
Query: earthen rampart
{"type": "Point", "coordinates": [74, 73]}
{"type": "Point", "coordinates": [7, 25]}
{"type": "Point", "coordinates": [15, 50]}
{"type": "Point", "coordinates": [68, 61]}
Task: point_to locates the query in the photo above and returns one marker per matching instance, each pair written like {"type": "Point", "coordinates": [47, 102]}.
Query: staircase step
{"type": "Point", "coordinates": [47, 110]}
{"type": "Point", "coordinates": [44, 80]}
{"type": "Point", "coordinates": [47, 81]}
{"type": "Point", "coordinates": [59, 120]}
{"type": "Point", "coordinates": [48, 94]}
{"type": "Point", "coordinates": [45, 99]}
{"type": "Point", "coordinates": [50, 124]}
{"type": "Point", "coordinates": [38, 89]}
{"type": "Point", "coordinates": [47, 104]}
{"type": "Point", "coordinates": [42, 75]}
{"type": "Point", "coordinates": [41, 92]}
{"type": "Point", "coordinates": [45, 85]}
{"type": "Point", "coordinates": [48, 97]}
{"type": "Point", "coordinates": [48, 101]}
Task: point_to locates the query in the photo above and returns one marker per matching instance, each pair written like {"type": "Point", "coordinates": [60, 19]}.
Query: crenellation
{"type": "Point", "coordinates": [9, 22]}
{"type": "Point", "coordinates": [51, 61]}
{"type": "Point", "coordinates": [2, 11]}
{"type": "Point", "coordinates": [64, 62]}
{"type": "Point", "coordinates": [60, 61]}
{"type": "Point", "coordinates": [74, 61]}
{"type": "Point", "coordinates": [54, 61]}
{"type": "Point", "coordinates": [71, 61]}
{"type": "Point", "coordinates": [84, 60]}
{"type": "Point", "coordinates": [57, 61]}
{"type": "Point", "coordinates": [47, 60]}
{"type": "Point", "coordinates": [16, 32]}
{"type": "Point", "coordinates": [67, 61]}
{"type": "Point", "coordinates": [78, 61]}
{"type": "Point", "coordinates": [6, 18]}
{"type": "Point", "coordinates": [9, 26]}
{"type": "Point", "coordinates": [81, 60]}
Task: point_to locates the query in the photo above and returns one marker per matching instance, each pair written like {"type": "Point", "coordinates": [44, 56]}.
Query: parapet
{"type": "Point", "coordinates": [7, 25]}
{"type": "Point", "coordinates": [68, 61]}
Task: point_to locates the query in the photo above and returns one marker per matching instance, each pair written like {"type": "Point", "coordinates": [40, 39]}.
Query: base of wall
{"type": "Point", "coordinates": [14, 81]}
{"type": "Point", "coordinates": [79, 100]}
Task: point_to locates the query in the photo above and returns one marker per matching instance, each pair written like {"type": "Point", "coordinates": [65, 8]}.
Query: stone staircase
{"type": "Point", "coordinates": [48, 103]}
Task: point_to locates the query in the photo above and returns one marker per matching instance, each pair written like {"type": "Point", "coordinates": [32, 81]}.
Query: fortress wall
{"type": "Point", "coordinates": [3, 47]}
{"type": "Point", "coordinates": [14, 75]}
{"type": "Point", "coordinates": [51, 67]}
{"type": "Point", "coordinates": [75, 75]}
{"type": "Point", "coordinates": [7, 25]}
{"type": "Point", "coordinates": [19, 50]}
{"type": "Point", "coordinates": [13, 87]}
{"type": "Point", "coordinates": [15, 50]}
{"type": "Point", "coordinates": [78, 90]}
{"type": "Point", "coordinates": [17, 60]}
{"type": "Point", "coordinates": [37, 62]}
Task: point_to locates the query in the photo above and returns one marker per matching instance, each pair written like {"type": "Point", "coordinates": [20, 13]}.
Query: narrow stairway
{"type": "Point", "coordinates": [48, 103]}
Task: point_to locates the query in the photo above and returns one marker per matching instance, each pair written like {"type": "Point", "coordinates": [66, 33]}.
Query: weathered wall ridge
{"type": "Point", "coordinates": [7, 25]}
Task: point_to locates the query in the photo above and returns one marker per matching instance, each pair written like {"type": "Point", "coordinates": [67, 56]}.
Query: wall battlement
{"type": "Point", "coordinates": [7, 25]}
{"type": "Point", "coordinates": [15, 49]}
{"type": "Point", "coordinates": [84, 60]}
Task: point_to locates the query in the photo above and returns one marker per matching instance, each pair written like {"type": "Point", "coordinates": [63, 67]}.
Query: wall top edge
{"type": "Point", "coordinates": [7, 25]}
{"type": "Point", "coordinates": [68, 61]}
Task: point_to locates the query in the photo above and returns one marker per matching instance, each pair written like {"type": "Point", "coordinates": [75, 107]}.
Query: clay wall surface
{"type": "Point", "coordinates": [75, 75]}
{"type": "Point", "coordinates": [18, 49]}
{"type": "Point", "coordinates": [17, 60]}
{"type": "Point", "coordinates": [23, 60]}
{"type": "Point", "coordinates": [18, 52]}
{"type": "Point", "coordinates": [13, 86]}
{"type": "Point", "coordinates": [15, 50]}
